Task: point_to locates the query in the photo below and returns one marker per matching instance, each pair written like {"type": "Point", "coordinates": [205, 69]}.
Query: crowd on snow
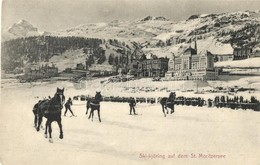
{"type": "Point", "coordinates": [235, 102]}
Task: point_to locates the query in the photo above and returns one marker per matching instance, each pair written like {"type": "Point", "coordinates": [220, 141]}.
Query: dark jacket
{"type": "Point", "coordinates": [132, 102]}
{"type": "Point", "coordinates": [68, 103]}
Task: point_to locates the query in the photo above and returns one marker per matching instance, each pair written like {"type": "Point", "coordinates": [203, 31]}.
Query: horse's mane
{"type": "Point", "coordinates": [53, 103]}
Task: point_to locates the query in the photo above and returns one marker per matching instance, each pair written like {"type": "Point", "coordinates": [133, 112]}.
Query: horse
{"type": "Point", "coordinates": [168, 103]}
{"type": "Point", "coordinates": [51, 110]}
{"type": "Point", "coordinates": [94, 104]}
{"type": "Point", "coordinates": [35, 110]}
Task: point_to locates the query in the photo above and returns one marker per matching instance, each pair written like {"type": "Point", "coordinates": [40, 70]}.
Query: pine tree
{"type": "Point", "coordinates": [116, 60]}
{"type": "Point", "coordinates": [111, 59]}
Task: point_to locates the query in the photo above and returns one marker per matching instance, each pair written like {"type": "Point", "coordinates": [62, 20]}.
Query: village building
{"type": "Point", "coordinates": [133, 67]}
{"type": "Point", "coordinates": [237, 53]}
{"type": "Point", "coordinates": [34, 72]}
{"type": "Point", "coordinates": [80, 66]}
{"type": "Point", "coordinates": [256, 53]}
{"type": "Point", "coordinates": [102, 70]}
{"type": "Point", "coordinates": [241, 53]}
{"type": "Point", "coordinates": [223, 53]}
{"type": "Point", "coordinates": [223, 57]}
{"type": "Point", "coordinates": [152, 67]}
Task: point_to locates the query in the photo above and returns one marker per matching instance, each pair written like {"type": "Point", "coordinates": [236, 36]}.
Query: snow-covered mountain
{"type": "Point", "coordinates": [218, 33]}
{"type": "Point", "coordinates": [22, 29]}
{"type": "Point", "coordinates": [215, 32]}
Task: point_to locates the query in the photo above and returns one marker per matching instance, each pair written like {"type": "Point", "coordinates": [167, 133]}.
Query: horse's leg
{"type": "Point", "coordinates": [50, 130]}
{"type": "Point", "coordinates": [60, 125]}
{"type": "Point", "coordinates": [172, 111]}
{"type": "Point", "coordinates": [46, 128]}
{"type": "Point", "coordinates": [99, 114]}
{"type": "Point", "coordinates": [87, 109]}
{"type": "Point", "coordinates": [163, 110]}
{"type": "Point", "coordinates": [35, 120]}
{"type": "Point", "coordinates": [134, 110]}
{"type": "Point", "coordinates": [90, 113]}
{"type": "Point", "coordinates": [39, 122]}
{"type": "Point", "coordinates": [130, 110]}
{"type": "Point", "coordinates": [166, 108]}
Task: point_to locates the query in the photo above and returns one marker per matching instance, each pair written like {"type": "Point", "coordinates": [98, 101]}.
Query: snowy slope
{"type": "Point", "coordinates": [213, 31]}
{"type": "Point", "coordinates": [69, 59]}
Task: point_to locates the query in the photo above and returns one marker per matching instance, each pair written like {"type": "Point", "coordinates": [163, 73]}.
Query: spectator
{"type": "Point", "coordinates": [132, 104]}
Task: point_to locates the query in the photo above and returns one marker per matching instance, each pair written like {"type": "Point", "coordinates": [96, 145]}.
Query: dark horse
{"type": "Point", "coordinates": [35, 111]}
{"type": "Point", "coordinates": [50, 109]}
{"type": "Point", "coordinates": [168, 103]}
{"type": "Point", "coordinates": [94, 104]}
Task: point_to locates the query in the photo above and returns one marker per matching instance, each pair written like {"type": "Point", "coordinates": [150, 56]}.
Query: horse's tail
{"type": "Point", "coordinates": [35, 107]}
{"type": "Point", "coordinates": [160, 100]}
{"type": "Point", "coordinates": [38, 114]}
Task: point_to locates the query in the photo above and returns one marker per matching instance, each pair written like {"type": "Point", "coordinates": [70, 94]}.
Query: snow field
{"type": "Point", "coordinates": [121, 138]}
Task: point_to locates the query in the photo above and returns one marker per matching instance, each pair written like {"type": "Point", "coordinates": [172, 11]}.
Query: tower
{"type": "Point", "coordinates": [195, 46]}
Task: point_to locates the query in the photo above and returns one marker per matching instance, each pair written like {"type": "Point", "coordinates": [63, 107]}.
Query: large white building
{"type": "Point", "coordinates": [192, 66]}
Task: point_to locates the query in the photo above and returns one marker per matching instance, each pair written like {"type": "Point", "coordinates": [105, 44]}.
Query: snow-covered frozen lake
{"type": "Point", "coordinates": [188, 136]}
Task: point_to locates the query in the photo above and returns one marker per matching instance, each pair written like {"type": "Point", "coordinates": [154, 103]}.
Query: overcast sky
{"type": "Point", "coordinates": [52, 15]}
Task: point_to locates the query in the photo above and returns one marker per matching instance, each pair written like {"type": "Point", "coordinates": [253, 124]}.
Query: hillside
{"type": "Point", "coordinates": [213, 32]}
{"type": "Point", "coordinates": [217, 33]}
{"type": "Point", "coordinates": [70, 58]}
{"type": "Point", "coordinates": [65, 52]}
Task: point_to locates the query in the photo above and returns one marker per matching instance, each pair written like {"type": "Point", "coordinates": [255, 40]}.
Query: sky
{"type": "Point", "coordinates": [51, 15]}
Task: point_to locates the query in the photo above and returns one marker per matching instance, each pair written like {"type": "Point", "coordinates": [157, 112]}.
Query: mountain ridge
{"type": "Point", "coordinates": [221, 28]}
{"type": "Point", "coordinates": [22, 29]}
{"type": "Point", "coordinates": [217, 33]}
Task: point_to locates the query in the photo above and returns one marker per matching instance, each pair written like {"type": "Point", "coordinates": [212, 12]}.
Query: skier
{"type": "Point", "coordinates": [67, 106]}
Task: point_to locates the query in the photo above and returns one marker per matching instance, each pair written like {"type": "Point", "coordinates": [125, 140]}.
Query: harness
{"type": "Point", "coordinates": [47, 111]}
{"type": "Point", "coordinates": [170, 102]}
{"type": "Point", "coordinates": [58, 108]}
{"type": "Point", "coordinates": [94, 104]}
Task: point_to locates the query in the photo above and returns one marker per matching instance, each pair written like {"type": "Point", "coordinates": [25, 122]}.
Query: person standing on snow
{"type": "Point", "coordinates": [67, 106]}
{"type": "Point", "coordinates": [132, 104]}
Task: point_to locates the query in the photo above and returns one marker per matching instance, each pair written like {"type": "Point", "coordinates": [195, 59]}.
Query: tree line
{"type": "Point", "coordinates": [15, 53]}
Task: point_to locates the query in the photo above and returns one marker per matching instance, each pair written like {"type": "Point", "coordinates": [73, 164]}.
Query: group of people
{"type": "Point", "coordinates": [194, 101]}
{"type": "Point", "coordinates": [219, 101]}
{"type": "Point", "coordinates": [132, 104]}
{"type": "Point", "coordinates": [234, 102]}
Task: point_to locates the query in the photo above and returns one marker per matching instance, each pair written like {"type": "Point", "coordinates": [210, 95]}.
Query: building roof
{"type": "Point", "coordinates": [100, 67]}
{"type": "Point", "coordinates": [190, 51]}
